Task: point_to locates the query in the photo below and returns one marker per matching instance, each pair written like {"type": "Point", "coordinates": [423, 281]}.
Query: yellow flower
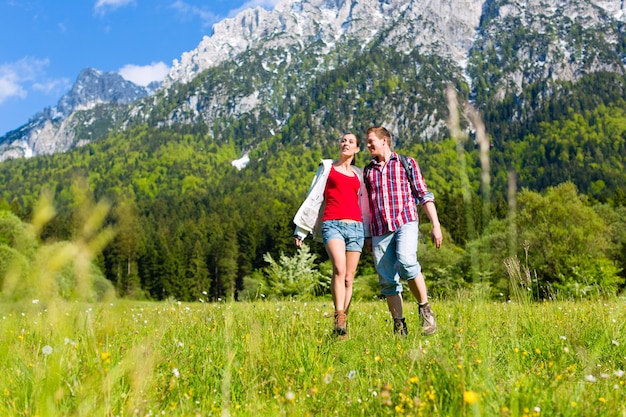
{"type": "Point", "coordinates": [602, 399]}
{"type": "Point", "coordinates": [470, 397]}
{"type": "Point", "coordinates": [378, 359]}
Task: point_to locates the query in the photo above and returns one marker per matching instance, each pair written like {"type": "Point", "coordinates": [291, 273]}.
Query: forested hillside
{"type": "Point", "coordinates": [190, 225]}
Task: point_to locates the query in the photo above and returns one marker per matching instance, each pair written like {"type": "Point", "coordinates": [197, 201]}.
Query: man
{"type": "Point", "coordinates": [394, 226]}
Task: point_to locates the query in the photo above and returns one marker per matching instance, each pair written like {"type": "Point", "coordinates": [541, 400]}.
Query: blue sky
{"type": "Point", "coordinates": [44, 44]}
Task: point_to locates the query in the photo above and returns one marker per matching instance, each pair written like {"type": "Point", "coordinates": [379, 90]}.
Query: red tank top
{"type": "Point", "coordinates": [342, 197]}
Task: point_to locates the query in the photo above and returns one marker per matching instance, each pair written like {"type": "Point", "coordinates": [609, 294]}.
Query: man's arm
{"type": "Point", "coordinates": [431, 211]}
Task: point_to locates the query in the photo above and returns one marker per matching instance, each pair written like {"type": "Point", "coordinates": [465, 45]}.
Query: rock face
{"type": "Point", "coordinates": [444, 27]}
{"type": "Point", "coordinates": [541, 40]}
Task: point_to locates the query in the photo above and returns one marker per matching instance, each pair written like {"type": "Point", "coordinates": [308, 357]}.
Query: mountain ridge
{"type": "Point", "coordinates": [565, 41]}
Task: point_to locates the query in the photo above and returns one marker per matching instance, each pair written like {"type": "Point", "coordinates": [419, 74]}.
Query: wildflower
{"type": "Point", "coordinates": [590, 378]}
{"type": "Point", "coordinates": [290, 396]}
{"type": "Point", "coordinates": [352, 374]}
{"type": "Point", "coordinates": [328, 378]}
{"type": "Point", "coordinates": [470, 397]}
{"type": "Point", "coordinates": [176, 372]}
{"type": "Point", "coordinates": [619, 373]}
{"type": "Point", "coordinates": [615, 342]}
{"type": "Point", "coordinates": [46, 350]}
{"type": "Point", "coordinates": [378, 359]}
{"type": "Point", "coordinates": [563, 337]}
{"type": "Point", "coordinates": [602, 399]}
{"type": "Point", "coordinates": [605, 376]}
{"type": "Point", "coordinates": [537, 409]}
{"type": "Point", "coordinates": [35, 301]}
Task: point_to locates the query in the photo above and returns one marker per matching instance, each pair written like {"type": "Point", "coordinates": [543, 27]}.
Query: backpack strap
{"type": "Point", "coordinates": [409, 173]}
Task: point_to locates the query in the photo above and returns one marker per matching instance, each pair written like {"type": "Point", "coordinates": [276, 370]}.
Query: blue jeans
{"type": "Point", "coordinates": [395, 258]}
{"type": "Point", "coordinates": [350, 232]}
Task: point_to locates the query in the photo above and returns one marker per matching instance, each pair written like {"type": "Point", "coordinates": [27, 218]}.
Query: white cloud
{"type": "Point", "coordinates": [144, 75]}
{"type": "Point", "coordinates": [17, 76]}
{"type": "Point", "coordinates": [208, 18]}
{"type": "Point", "coordinates": [187, 11]}
{"type": "Point", "coordinates": [102, 6]}
{"type": "Point", "coordinates": [266, 4]}
{"type": "Point", "coordinates": [52, 86]}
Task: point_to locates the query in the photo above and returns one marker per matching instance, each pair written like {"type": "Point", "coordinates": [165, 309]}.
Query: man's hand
{"type": "Point", "coordinates": [436, 235]}
{"type": "Point", "coordinates": [298, 242]}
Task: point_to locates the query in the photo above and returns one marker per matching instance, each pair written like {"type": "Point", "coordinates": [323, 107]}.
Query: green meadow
{"type": "Point", "coordinates": [280, 358]}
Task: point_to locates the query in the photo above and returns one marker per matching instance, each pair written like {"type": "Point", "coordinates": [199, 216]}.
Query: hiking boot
{"type": "Point", "coordinates": [429, 325]}
{"type": "Point", "coordinates": [341, 323]}
{"type": "Point", "coordinates": [399, 327]}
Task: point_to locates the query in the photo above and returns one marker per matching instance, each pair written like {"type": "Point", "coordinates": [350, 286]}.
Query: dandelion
{"type": "Point", "coordinates": [352, 374]}
{"type": "Point", "coordinates": [590, 378]}
{"type": "Point", "coordinates": [46, 350]}
{"type": "Point", "coordinates": [470, 397]}
{"type": "Point", "coordinates": [328, 378]}
{"type": "Point", "coordinates": [290, 396]}
{"type": "Point", "coordinates": [69, 341]}
{"type": "Point", "coordinates": [602, 399]}
{"type": "Point", "coordinates": [378, 358]}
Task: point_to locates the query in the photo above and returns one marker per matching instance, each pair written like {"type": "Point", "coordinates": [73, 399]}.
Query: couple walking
{"type": "Point", "coordinates": [375, 206]}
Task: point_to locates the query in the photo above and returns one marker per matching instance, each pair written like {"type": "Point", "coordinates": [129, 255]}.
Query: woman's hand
{"type": "Point", "coordinates": [298, 242]}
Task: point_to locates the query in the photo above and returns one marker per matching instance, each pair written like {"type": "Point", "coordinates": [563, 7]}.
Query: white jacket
{"type": "Point", "coordinates": [308, 218]}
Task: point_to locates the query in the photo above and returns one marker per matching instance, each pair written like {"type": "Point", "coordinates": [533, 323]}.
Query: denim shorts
{"type": "Point", "coordinates": [350, 232]}
{"type": "Point", "coordinates": [395, 258]}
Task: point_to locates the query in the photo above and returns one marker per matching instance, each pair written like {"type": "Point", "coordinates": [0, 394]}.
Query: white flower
{"type": "Point", "coordinates": [563, 337]}
{"type": "Point", "coordinates": [603, 375]}
{"type": "Point", "coordinates": [176, 373]}
{"type": "Point", "coordinates": [537, 409]}
{"type": "Point", "coordinates": [352, 374]}
{"type": "Point", "coordinates": [615, 342]}
{"type": "Point", "coordinates": [590, 378]}
{"type": "Point", "coordinates": [35, 301]}
{"type": "Point", "coordinates": [328, 378]}
{"type": "Point", "coordinates": [290, 396]}
{"type": "Point", "coordinates": [69, 341]}
{"type": "Point", "coordinates": [46, 350]}
{"type": "Point", "coordinates": [619, 373]}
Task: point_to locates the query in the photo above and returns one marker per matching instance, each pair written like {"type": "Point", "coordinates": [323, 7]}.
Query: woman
{"type": "Point", "coordinates": [337, 205]}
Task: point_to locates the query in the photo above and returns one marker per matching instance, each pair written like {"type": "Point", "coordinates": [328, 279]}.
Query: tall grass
{"type": "Point", "coordinates": [280, 358]}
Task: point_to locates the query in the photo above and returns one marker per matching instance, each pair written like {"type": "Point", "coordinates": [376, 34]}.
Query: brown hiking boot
{"type": "Point", "coordinates": [341, 323]}
{"type": "Point", "coordinates": [399, 327]}
{"type": "Point", "coordinates": [429, 324]}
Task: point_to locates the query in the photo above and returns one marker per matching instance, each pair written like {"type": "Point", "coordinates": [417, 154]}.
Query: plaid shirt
{"type": "Point", "coordinates": [391, 199]}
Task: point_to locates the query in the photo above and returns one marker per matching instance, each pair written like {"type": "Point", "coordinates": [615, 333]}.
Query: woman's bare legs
{"type": "Point", "coordinates": [344, 268]}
